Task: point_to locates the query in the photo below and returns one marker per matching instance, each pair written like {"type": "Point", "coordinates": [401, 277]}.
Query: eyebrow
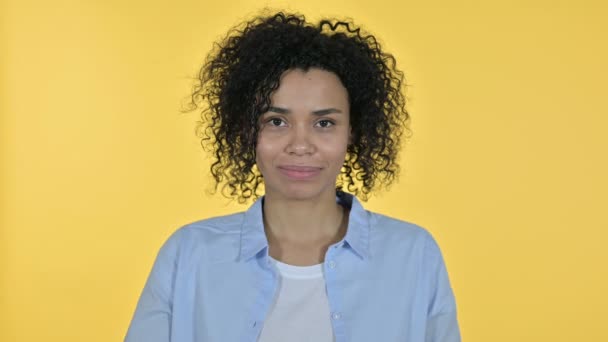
{"type": "Point", "coordinates": [316, 112]}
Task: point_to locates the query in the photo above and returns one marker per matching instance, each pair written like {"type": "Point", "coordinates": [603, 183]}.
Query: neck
{"type": "Point", "coordinates": [303, 221]}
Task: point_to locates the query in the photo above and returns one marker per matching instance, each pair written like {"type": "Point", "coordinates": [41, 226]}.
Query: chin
{"type": "Point", "coordinates": [300, 192]}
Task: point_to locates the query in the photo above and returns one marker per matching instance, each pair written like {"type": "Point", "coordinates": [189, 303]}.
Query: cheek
{"type": "Point", "coordinates": [336, 154]}
{"type": "Point", "coordinates": [265, 151]}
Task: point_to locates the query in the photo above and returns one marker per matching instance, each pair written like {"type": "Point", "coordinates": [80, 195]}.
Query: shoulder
{"type": "Point", "coordinates": [218, 232]}
{"type": "Point", "coordinates": [394, 233]}
{"type": "Point", "coordinates": [395, 228]}
{"type": "Point", "coordinates": [226, 224]}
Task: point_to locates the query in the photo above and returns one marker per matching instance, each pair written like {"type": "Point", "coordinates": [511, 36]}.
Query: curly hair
{"type": "Point", "coordinates": [235, 83]}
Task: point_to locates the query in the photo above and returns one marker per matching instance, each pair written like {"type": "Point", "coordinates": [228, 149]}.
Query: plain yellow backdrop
{"type": "Point", "coordinates": [506, 166]}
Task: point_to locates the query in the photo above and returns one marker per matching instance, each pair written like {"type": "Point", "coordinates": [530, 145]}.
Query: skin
{"type": "Point", "coordinates": [300, 150]}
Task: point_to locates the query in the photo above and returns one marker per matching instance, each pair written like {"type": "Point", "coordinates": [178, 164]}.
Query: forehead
{"type": "Point", "coordinates": [312, 88]}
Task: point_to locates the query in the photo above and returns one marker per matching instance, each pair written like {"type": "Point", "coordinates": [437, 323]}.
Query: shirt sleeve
{"type": "Point", "coordinates": [151, 321]}
{"type": "Point", "coordinates": [442, 322]}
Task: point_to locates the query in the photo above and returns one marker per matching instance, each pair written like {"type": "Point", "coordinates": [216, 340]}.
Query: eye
{"type": "Point", "coordinates": [325, 123]}
{"type": "Point", "coordinates": [276, 122]}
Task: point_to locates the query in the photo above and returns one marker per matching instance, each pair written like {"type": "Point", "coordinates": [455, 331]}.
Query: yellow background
{"type": "Point", "coordinates": [507, 165]}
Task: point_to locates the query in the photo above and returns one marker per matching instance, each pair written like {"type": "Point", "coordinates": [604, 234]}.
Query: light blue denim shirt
{"type": "Point", "coordinates": [213, 281]}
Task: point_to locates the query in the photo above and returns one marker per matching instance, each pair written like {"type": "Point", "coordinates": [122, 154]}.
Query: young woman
{"type": "Point", "coordinates": [304, 111]}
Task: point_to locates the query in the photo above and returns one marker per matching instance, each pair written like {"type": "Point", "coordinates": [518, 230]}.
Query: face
{"type": "Point", "coordinates": [303, 137]}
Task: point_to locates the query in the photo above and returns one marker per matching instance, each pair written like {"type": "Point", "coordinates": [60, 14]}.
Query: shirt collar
{"type": "Point", "coordinates": [254, 241]}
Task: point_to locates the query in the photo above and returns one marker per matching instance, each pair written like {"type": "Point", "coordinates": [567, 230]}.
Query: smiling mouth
{"type": "Point", "coordinates": [299, 172]}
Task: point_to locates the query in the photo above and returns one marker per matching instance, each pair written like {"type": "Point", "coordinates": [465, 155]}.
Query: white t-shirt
{"type": "Point", "coordinates": [300, 311]}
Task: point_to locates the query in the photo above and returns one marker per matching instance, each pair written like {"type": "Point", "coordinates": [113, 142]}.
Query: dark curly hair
{"type": "Point", "coordinates": [239, 75]}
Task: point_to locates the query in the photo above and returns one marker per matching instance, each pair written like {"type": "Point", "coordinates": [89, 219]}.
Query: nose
{"type": "Point", "coordinates": [300, 141]}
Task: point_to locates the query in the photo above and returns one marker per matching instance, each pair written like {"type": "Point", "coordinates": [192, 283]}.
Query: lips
{"type": "Point", "coordinates": [299, 171]}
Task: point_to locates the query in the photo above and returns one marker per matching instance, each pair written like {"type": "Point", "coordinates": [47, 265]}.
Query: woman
{"type": "Point", "coordinates": [303, 111]}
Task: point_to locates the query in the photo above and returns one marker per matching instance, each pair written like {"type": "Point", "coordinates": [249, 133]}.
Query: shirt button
{"type": "Point", "coordinates": [336, 315]}
{"type": "Point", "coordinates": [331, 264]}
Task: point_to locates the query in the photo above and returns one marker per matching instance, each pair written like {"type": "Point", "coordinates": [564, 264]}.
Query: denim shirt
{"type": "Point", "coordinates": [213, 281]}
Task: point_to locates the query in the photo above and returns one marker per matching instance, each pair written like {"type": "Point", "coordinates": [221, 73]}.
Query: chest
{"type": "Point", "coordinates": [231, 301]}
